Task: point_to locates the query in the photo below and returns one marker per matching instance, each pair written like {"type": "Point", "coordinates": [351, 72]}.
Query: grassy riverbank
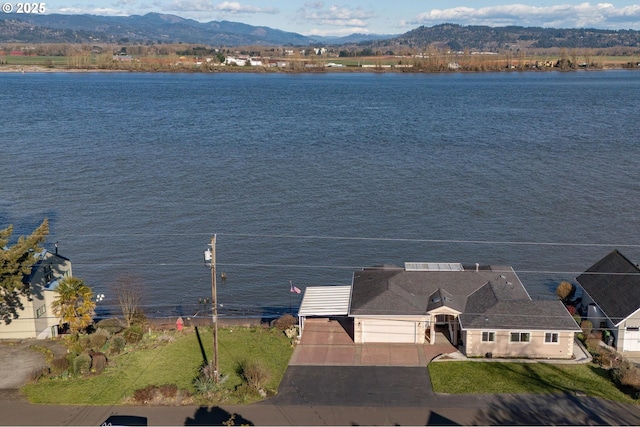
{"type": "Point", "coordinates": [164, 358]}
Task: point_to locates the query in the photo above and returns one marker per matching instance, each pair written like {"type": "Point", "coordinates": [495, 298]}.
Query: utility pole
{"type": "Point", "coordinates": [210, 255]}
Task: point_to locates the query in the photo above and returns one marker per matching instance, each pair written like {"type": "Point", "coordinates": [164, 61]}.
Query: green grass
{"type": "Point", "coordinates": [170, 363]}
{"type": "Point", "coordinates": [56, 61]}
{"type": "Point", "coordinates": [505, 377]}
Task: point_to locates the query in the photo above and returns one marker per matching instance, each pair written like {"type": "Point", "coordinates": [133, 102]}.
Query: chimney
{"type": "Point", "coordinates": [477, 267]}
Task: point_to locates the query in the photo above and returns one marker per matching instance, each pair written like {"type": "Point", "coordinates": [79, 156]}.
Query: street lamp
{"type": "Point", "coordinates": [210, 260]}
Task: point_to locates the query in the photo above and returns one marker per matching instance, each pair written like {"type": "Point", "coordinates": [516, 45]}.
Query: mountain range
{"type": "Point", "coordinates": [164, 28]}
{"type": "Point", "coordinates": [153, 27]}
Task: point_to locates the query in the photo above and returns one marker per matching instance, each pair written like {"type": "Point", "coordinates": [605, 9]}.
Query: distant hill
{"type": "Point", "coordinates": [163, 28]}
{"type": "Point", "coordinates": [152, 27]}
{"type": "Point", "coordinates": [482, 38]}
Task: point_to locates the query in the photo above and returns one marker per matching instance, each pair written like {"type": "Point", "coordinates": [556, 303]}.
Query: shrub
{"type": "Point", "coordinates": [133, 334]}
{"type": "Point", "coordinates": [59, 365]}
{"type": "Point", "coordinates": [102, 331]}
{"type": "Point", "coordinates": [203, 384]}
{"type": "Point", "coordinates": [168, 391]}
{"type": "Point", "coordinates": [284, 322]}
{"type": "Point", "coordinates": [98, 362]}
{"type": "Point", "coordinates": [37, 374]}
{"type": "Point", "coordinates": [577, 318]}
{"type": "Point", "coordinates": [113, 325]}
{"type": "Point", "coordinates": [246, 393]}
{"type": "Point", "coordinates": [84, 342]}
{"type": "Point", "coordinates": [565, 290]}
{"type": "Point", "coordinates": [593, 344]}
{"type": "Point", "coordinates": [98, 340]}
{"type": "Point", "coordinates": [626, 375]}
{"type": "Point", "coordinates": [253, 373]}
{"type": "Point", "coordinates": [164, 394]}
{"type": "Point", "coordinates": [117, 344]}
{"type": "Point", "coordinates": [144, 395]}
{"type": "Point", "coordinates": [81, 364]}
{"type": "Point", "coordinates": [586, 327]}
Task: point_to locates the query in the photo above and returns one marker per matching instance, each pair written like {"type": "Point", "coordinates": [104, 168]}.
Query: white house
{"type": "Point", "coordinates": [36, 319]}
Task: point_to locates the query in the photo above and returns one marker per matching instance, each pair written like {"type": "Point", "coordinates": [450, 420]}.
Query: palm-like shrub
{"type": "Point", "coordinates": [73, 303]}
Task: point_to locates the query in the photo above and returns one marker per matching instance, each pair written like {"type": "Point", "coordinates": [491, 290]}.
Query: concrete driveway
{"type": "Point", "coordinates": [18, 360]}
{"type": "Point", "coordinates": [328, 369]}
{"type": "Point", "coordinates": [327, 342]}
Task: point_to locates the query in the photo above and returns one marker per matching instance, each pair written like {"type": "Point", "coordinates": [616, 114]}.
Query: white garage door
{"type": "Point", "coordinates": [632, 339]}
{"type": "Point", "coordinates": [394, 331]}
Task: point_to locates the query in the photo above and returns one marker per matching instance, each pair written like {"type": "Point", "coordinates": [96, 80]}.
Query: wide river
{"type": "Point", "coordinates": [305, 178]}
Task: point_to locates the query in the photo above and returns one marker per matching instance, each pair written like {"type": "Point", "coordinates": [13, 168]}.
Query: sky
{"type": "Point", "coordinates": [343, 17]}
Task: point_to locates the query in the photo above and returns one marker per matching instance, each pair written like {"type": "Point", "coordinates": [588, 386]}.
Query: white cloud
{"type": "Point", "coordinates": [602, 15]}
{"type": "Point", "coordinates": [337, 16]}
{"type": "Point", "coordinates": [234, 7]}
{"type": "Point", "coordinates": [339, 32]}
{"type": "Point", "coordinates": [226, 7]}
{"type": "Point", "coordinates": [93, 11]}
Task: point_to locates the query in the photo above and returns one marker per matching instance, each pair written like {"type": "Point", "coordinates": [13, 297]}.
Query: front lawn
{"type": "Point", "coordinates": [159, 360]}
{"type": "Point", "coordinates": [506, 377]}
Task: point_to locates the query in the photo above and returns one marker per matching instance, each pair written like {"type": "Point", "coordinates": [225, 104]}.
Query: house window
{"type": "Point", "coordinates": [41, 311]}
{"type": "Point", "coordinates": [551, 337]}
{"type": "Point", "coordinates": [519, 337]}
{"type": "Point", "coordinates": [48, 273]}
{"type": "Point", "coordinates": [488, 336]}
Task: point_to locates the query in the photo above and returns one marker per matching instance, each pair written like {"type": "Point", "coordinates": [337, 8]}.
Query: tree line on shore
{"type": "Point", "coordinates": [198, 58]}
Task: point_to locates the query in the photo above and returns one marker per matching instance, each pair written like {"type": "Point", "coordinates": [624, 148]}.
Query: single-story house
{"type": "Point", "coordinates": [483, 310]}
{"type": "Point", "coordinates": [611, 299]}
{"type": "Point", "coordinates": [36, 319]}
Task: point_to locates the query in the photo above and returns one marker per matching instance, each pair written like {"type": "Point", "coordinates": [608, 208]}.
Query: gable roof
{"type": "Point", "coordinates": [396, 291]}
{"type": "Point", "coordinates": [614, 284]}
{"type": "Point", "coordinates": [487, 297]}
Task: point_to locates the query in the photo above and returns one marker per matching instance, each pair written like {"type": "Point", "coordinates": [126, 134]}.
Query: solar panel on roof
{"type": "Point", "coordinates": [433, 266]}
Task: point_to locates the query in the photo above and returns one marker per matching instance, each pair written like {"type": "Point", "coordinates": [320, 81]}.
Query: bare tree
{"type": "Point", "coordinates": [129, 293]}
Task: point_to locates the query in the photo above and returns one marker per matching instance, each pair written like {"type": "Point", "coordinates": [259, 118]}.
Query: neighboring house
{"type": "Point", "coordinates": [483, 310]}
{"type": "Point", "coordinates": [36, 319]}
{"type": "Point", "coordinates": [611, 299]}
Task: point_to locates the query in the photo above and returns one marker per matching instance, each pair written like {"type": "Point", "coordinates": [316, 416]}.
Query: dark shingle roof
{"type": "Point", "coordinates": [401, 292]}
{"type": "Point", "coordinates": [525, 315]}
{"type": "Point", "coordinates": [490, 297]}
{"type": "Point", "coordinates": [614, 284]}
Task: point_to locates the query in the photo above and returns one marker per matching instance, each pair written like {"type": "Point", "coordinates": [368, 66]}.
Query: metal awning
{"type": "Point", "coordinates": [325, 301]}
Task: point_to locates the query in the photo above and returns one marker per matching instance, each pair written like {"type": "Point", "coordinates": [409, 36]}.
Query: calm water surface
{"type": "Point", "coordinates": [306, 177]}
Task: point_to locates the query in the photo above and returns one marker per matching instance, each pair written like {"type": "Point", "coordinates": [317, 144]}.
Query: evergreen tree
{"type": "Point", "coordinates": [16, 262]}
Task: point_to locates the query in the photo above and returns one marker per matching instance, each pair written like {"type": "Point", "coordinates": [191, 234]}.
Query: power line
{"type": "Point", "coordinates": [325, 267]}
{"type": "Point", "coordinates": [385, 239]}
{"type": "Point", "coordinates": [357, 238]}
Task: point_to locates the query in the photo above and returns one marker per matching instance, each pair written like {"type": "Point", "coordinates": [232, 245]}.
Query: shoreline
{"type": "Point", "coordinates": [37, 69]}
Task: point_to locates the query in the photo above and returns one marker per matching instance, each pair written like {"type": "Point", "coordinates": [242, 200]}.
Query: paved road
{"type": "Point", "coordinates": [339, 395]}
{"type": "Point", "coordinates": [330, 395]}
{"type": "Point", "coordinates": [442, 410]}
